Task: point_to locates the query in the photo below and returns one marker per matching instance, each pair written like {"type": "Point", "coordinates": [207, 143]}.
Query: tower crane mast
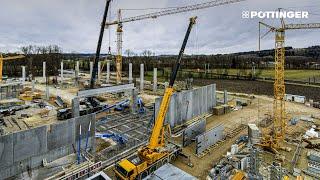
{"type": "Point", "coordinates": [119, 22]}
{"type": "Point", "coordinates": [119, 49]}
{"type": "Point", "coordinates": [279, 123]}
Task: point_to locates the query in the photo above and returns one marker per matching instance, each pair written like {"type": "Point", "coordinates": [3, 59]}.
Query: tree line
{"type": "Point", "coordinates": [302, 58]}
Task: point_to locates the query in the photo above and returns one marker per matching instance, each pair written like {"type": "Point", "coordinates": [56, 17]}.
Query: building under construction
{"type": "Point", "coordinates": [115, 122]}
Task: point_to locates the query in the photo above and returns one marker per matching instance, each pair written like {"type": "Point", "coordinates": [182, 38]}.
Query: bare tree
{"type": "Point", "coordinates": [129, 53]}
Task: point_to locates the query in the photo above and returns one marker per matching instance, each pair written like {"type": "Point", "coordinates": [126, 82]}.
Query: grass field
{"type": "Point", "coordinates": [297, 75]}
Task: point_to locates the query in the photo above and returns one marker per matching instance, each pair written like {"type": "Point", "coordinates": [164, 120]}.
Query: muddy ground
{"type": "Point", "coordinates": [253, 113]}
{"type": "Point", "coordinates": [260, 87]}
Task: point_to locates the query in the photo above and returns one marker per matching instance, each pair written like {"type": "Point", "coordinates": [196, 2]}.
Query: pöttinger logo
{"type": "Point", "coordinates": [275, 14]}
{"type": "Point", "coordinates": [245, 14]}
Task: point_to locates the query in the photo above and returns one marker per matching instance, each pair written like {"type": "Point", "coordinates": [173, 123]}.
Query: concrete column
{"type": "Point", "coordinates": [33, 85]}
{"type": "Point", "coordinates": [61, 72]}
{"type": "Point", "coordinates": [253, 71]}
{"type": "Point", "coordinates": [44, 71]}
{"type": "Point", "coordinates": [91, 68]}
{"type": "Point", "coordinates": [130, 72]}
{"type": "Point", "coordinates": [99, 71]}
{"type": "Point", "coordinates": [141, 76]}
{"type": "Point", "coordinates": [108, 71]}
{"type": "Point", "coordinates": [134, 101]}
{"type": "Point", "coordinates": [47, 93]}
{"type": "Point", "coordinates": [75, 107]}
{"type": "Point", "coordinates": [77, 71]}
{"type": "Point", "coordinates": [155, 82]}
{"type": "Point", "coordinates": [225, 97]}
{"type": "Point", "coordinates": [23, 74]}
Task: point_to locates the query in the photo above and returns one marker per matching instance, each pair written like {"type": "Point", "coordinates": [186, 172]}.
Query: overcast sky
{"type": "Point", "coordinates": [74, 26]}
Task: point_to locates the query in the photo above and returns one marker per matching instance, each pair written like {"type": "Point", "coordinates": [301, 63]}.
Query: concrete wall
{"type": "Point", "coordinates": [28, 148]}
{"type": "Point", "coordinates": [205, 140]}
{"type": "Point", "coordinates": [10, 90]}
{"type": "Point", "coordinates": [186, 105]}
{"type": "Point", "coordinates": [193, 131]}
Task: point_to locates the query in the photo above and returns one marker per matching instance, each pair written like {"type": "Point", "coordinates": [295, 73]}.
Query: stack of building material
{"type": "Point", "coordinates": [314, 156]}
{"type": "Point", "coordinates": [306, 118]}
{"type": "Point", "coordinates": [226, 108]}
{"type": "Point", "coordinates": [218, 110]}
{"type": "Point", "coordinates": [313, 163]}
{"type": "Point", "coordinates": [244, 163]}
{"type": "Point", "coordinates": [254, 133]}
{"type": "Point", "coordinates": [295, 98]}
{"type": "Point", "coordinates": [311, 133]}
{"type": "Point", "coordinates": [296, 172]}
{"type": "Point", "coordinates": [234, 149]}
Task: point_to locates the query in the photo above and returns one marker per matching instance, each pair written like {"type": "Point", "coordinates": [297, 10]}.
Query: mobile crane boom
{"type": "Point", "coordinates": [154, 139]}
{"type": "Point", "coordinates": [97, 56]}
{"type": "Point", "coordinates": [152, 155]}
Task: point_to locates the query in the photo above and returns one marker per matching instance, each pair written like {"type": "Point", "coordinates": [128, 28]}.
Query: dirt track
{"type": "Point", "coordinates": [260, 87]}
{"type": "Point", "coordinates": [259, 107]}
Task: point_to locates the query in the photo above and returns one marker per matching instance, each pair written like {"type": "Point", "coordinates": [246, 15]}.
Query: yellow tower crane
{"type": "Point", "coordinates": [170, 11]}
{"type": "Point", "coordinates": [5, 59]}
{"type": "Point", "coordinates": [274, 139]}
{"type": "Point", "coordinates": [119, 48]}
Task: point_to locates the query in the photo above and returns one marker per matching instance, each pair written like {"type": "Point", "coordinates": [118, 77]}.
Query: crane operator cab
{"type": "Point", "coordinates": [131, 168]}
{"type": "Point", "coordinates": [124, 169]}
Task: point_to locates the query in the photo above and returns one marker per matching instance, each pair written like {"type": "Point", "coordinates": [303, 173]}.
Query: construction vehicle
{"type": "Point", "coordinates": [169, 11]}
{"type": "Point", "coordinates": [121, 106]}
{"type": "Point", "coordinates": [7, 58]}
{"type": "Point", "coordinates": [116, 137]}
{"type": "Point", "coordinates": [273, 140]}
{"type": "Point", "coordinates": [157, 152]}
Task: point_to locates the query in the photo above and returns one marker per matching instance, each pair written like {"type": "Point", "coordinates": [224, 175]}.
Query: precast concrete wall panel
{"type": "Point", "coordinates": [178, 103]}
{"type": "Point", "coordinates": [6, 150]}
{"type": "Point", "coordinates": [59, 152]}
{"type": "Point", "coordinates": [205, 140]}
{"type": "Point", "coordinates": [27, 149]}
{"type": "Point", "coordinates": [189, 104]}
{"type": "Point", "coordinates": [193, 131]}
{"type": "Point", "coordinates": [195, 102]}
{"type": "Point", "coordinates": [29, 143]}
{"type": "Point", "coordinates": [84, 121]}
{"type": "Point", "coordinates": [61, 134]}
{"type": "Point", "coordinates": [172, 109]}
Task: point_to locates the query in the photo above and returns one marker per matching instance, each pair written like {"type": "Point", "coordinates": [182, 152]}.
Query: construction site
{"type": "Point", "coordinates": [123, 116]}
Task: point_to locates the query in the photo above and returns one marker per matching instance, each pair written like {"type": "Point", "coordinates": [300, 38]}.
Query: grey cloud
{"type": "Point", "coordinates": [74, 25]}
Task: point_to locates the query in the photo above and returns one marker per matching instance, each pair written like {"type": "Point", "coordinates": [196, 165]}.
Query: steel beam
{"type": "Point", "coordinates": [112, 89]}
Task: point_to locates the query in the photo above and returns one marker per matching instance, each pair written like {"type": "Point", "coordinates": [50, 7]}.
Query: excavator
{"type": "Point", "coordinates": [157, 152]}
